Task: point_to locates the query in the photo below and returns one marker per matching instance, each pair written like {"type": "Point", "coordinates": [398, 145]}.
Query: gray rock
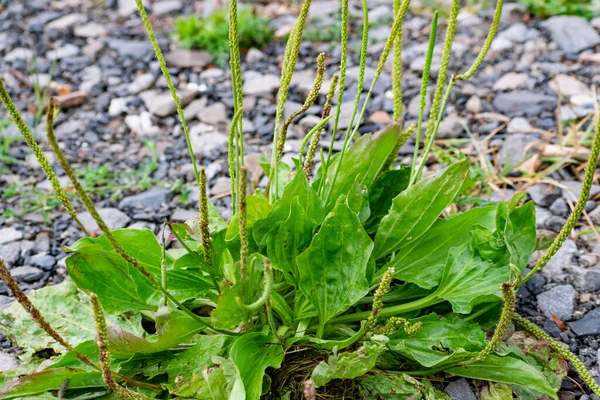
{"type": "Point", "coordinates": [460, 390]}
{"type": "Point", "coordinates": [515, 33]}
{"type": "Point", "coordinates": [118, 106]}
{"type": "Point", "coordinates": [90, 30]}
{"type": "Point", "coordinates": [572, 34]}
{"type": "Point", "coordinates": [19, 53]}
{"type": "Point", "coordinates": [10, 234]}
{"type": "Point", "coordinates": [523, 102]}
{"type": "Point", "coordinates": [194, 108]}
{"type": "Point", "coordinates": [586, 279]}
{"type": "Point", "coordinates": [166, 7]}
{"type": "Point", "coordinates": [181, 58]}
{"type": "Point", "coordinates": [181, 215]}
{"type": "Point", "coordinates": [8, 362]}
{"type": "Point", "coordinates": [414, 106]}
{"type": "Point", "coordinates": [567, 85]}
{"type": "Point", "coordinates": [346, 115]}
{"type": "Point", "coordinates": [255, 55]}
{"type": "Point", "coordinates": [560, 208]}
{"type": "Point", "coordinates": [541, 216]}
{"type": "Point", "coordinates": [130, 48]}
{"type": "Point", "coordinates": [213, 114]}
{"type": "Point", "coordinates": [515, 149]}
{"type": "Point", "coordinates": [141, 83]}
{"type": "Point", "coordinates": [152, 199]}
{"type": "Point", "coordinates": [558, 301]}
{"type": "Point", "coordinates": [208, 142]}
{"type": "Point", "coordinates": [543, 194]}
{"type": "Point", "coordinates": [519, 125]}
{"type": "Point", "coordinates": [27, 273]}
{"type": "Point", "coordinates": [66, 51]}
{"type": "Point", "coordinates": [595, 216]}
{"type": "Point", "coordinates": [562, 260]}
{"type": "Point", "coordinates": [260, 85]}
{"type": "Point", "coordinates": [43, 261]}
{"type": "Point", "coordinates": [511, 81]}
{"type": "Point", "coordinates": [450, 127]}
{"type": "Point", "coordinates": [114, 218]}
{"type": "Point", "coordinates": [128, 7]}
{"type": "Point", "coordinates": [588, 325]}
{"type": "Point", "coordinates": [142, 124]}
{"type": "Point", "coordinates": [66, 22]}
{"type": "Point", "coordinates": [162, 104]}
{"type": "Point", "coordinates": [573, 190]}
{"type": "Point", "coordinates": [10, 252]}
{"type": "Point", "coordinates": [473, 105]}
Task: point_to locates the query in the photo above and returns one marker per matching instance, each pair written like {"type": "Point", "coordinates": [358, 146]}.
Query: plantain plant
{"type": "Point", "coordinates": [344, 278]}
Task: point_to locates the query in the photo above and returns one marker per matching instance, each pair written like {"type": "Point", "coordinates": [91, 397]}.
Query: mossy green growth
{"type": "Point", "coordinates": [211, 33]}
{"type": "Point", "coordinates": [548, 8]}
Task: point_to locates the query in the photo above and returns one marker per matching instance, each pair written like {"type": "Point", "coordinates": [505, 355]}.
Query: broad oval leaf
{"type": "Point", "coordinates": [253, 353]}
{"type": "Point", "coordinates": [51, 379]}
{"type": "Point", "coordinates": [333, 270]}
{"type": "Point", "coordinates": [417, 208]}
{"type": "Point", "coordinates": [506, 370]}
{"type": "Point", "coordinates": [438, 340]}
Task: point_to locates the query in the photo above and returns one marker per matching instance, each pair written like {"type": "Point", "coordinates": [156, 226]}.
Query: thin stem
{"type": "Point", "coordinates": [243, 230]}
{"type": "Point", "coordinates": [204, 229]}
{"type": "Point", "coordinates": [39, 154]}
{"type": "Point", "coordinates": [232, 156]}
{"type": "Point", "coordinates": [424, 86]}
{"type": "Point", "coordinates": [170, 85]}
{"type": "Point", "coordinates": [163, 263]}
{"type": "Point", "coordinates": [588, 180]}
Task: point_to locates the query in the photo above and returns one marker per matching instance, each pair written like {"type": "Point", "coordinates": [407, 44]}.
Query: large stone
{"type": "Point", "coordinates": [181, 58]}
{"type": "Point", "coordinates": [114, 219]}
{"type": "Point", "coordinates": [128, 7]}
{"type": "Point", "coordinates": [194, 108]}
{"type": "Point", "coordinates": [567, 85]}
{"type": "Point", "coordinates": [68, 50]}
{"type": "Point", "coordinates": [43, 261]}
{"type": "Point", "coordinates": [512, 81]}
{"type": "Point", "coordinates": [166, 7]}
{"type": "Point", "coordinates": [588, 325]}
{"type": "Point", "coordinates": [543, 194]}
{"type": "Point", "coordinates": [152, 199]}
{"type": "Point", "coordinates": [207, 142]}
{"type": "Point", "coordinates": [450, 127]}
{"type": "Point", "coordinates": [10, 234]}
{"type": "Point", "coordinates": [141, 83]}
{"type": "Point", "coordinates": [572, 34]}
{"type": "Point", "coordinates": [162, 104]}
{"type": "Point", "coordinates": [131, 48]}
{"type": "Point", "coordinates": [142, 124]}
{"type": "Point", "coordinates": [460, 390]}
{"type": "Point", "coordinates": [261, 85]}
{"type": "Point", "coordinates": [346, 115]}
{"type": "Point", "coordinates": [561, 261]}
{"type": "Point", "coordinates": [90, 30]}
{"type": "Point", "coordinates": [523, 102]}
{"type": "Point", "coordinates": [572, 190]}
{"type": "Point", "coordinates": [213, 114]}
{"type": "Point", "coordinates": [66, 22]}
{"type": "Point", "coordinates": [10, 252]}
{"type": "Point", "coordinates": [515, 149]}
{"type": "Point", "coordinates": [18, 53]}
{"type": "Point", "coordinates": [558, 301]}
{"type": "Point", "coordinates": [27, 273]}
{"type": "Point", "coordinates": [586, 279]}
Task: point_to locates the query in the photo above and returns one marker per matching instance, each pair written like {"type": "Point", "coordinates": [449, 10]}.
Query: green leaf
{"type": "Point", "coordinates": [228, 314]}
{"type": "Point", "coordinates": [417, 208]}
{"type": "Point", "coordinates": [358, 201]}
{"type": "Point", "coordinates": [333, 269]}
{"type": "Point", "coordinates": [98, 268]}
{"type": "Point", "coordinates": [521, 237]}
{"type": "Point", "coordinates": [289, 238]}
{"type": "Point", "coordinates": [496, 391]}
{"type": "Point", "coordinates": [506, 370]}
{"type": "Point", "coordinates": [398, 387]}
{"type": "Point", "coordinates": [257, 208]}
{"type": "Point", "coordinates": [360, 165]}
{"type": "Point", "coordinates": [438, 340]}
{"type": "Point", "coordinates": [381, 194]}
{"type": "Point", "coordinates": [51, 379]}
{"type": "Point", "coordinates": [253, 353]}
{"type": "Point", "coordinates": [67, 310]}
{"type": "Point", "coordinates": [223, 382]}
{"type": "Point", "coordinates": [468, 281]}
{"type": "Point", "coordinates": [172, 328]}
{"type": "Point", "coordinates": [421, 262]}
{"type": "Point", "coordinates": [351, 364]}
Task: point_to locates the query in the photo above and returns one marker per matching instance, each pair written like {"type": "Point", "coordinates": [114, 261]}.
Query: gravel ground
{"type": "Point", "coordinates": [121, 129]}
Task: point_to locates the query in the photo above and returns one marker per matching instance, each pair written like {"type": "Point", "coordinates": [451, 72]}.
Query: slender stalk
{"type": "Point", "coordinates": [37, 317]}
{"type": "Point", "coordinates": [508, 310]}
{"type": "Point", "coordinates": [486, 45]}
{"type": "Point", "coordinates": [266, 295]}
{"type": "Point", "coordinates": [560, 349]}
{"type": "Point", "coordinates": [424, 86]}
{"type": "Point", "coordinates": [236, 84]}
{"type": "Point", "coordinates": [311, 134]}
{"type": "Point", "coordinates": [232, 156]}
{"type": "Point", "coordinates": [243, 230]}
{"type": "Point", "coordinates": [170, 85]}
{"type": "Point", "coordinates": [342, 86]}
{"type": "Point", "coordinates": [204, 230]}
{"type": "Point", "coordinates": [402, 138]}
{"type": "Point", "coordinates": [382, 290]}
{"type": "Point", "coordinates": [397, 65]}
{"type": "Point", "coordinates": [163, 263]}
{"type": "Point", "coordinates": [39, 154]}
{"type": "Point", "coordinates": [588, 180]}
{"type": "Point", "coordinates": [310, 100]}
{"type": "Point", "coordinates": [104, 353]}
{"type": "Point", "coordinates": [314, 144]}
{"type": "Point", "coordinates": [289, 62]}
